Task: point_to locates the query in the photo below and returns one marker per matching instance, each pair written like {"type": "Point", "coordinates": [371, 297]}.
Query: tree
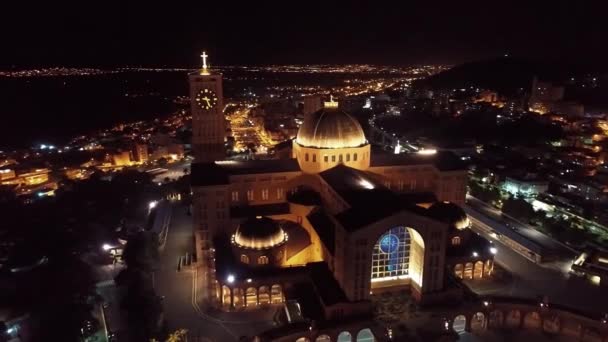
{"type": "Point", "coordinates": [518, 208]}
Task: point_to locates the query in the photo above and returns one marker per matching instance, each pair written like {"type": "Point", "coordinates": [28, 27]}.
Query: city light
{"type": "Point", "coordinates": [152, 205]}
{"type": "Point", "coordinates": [106, 247]}
{"type": "Point", "coordinates": [230, 279]}
{"type": "Point", "coordinates": [427, 151]}
{"type": "Point", "coordinates": [493, 250]}
{"type": "Point", "coordinates": [475, 254]}
{"type": "Point", "coordinates": [366, 184]}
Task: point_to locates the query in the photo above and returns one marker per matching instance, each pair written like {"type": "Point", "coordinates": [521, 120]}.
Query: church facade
{"type": "Point", "coordinates": [338, 218]}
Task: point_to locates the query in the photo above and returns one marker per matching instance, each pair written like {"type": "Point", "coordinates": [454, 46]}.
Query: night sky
{"type": "Point", "coordinates": [264, 32]}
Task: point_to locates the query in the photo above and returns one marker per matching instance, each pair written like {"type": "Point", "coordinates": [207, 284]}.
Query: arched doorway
{"type": "Point", "coordinates": [323, 338]}
{"type": "Point", "coordinates": [460, 323]}
{"type": "Point", "coordinates": [513, 319]}
{"type": "Point", "coordinates": [264, 295]}
{"type": "Point", "coordinates": [496, 319]}
{"type": "Point", "coordinates": [478, 322]}
{"type": "Point", "coordinates": [478, 270]}
{"type": "Point", "coordinates": [532, 320]}
{"type": "Point", "coordinates": [251, 296]}
{"type": "Point", "coordinates": [487, 269]}
{"type": "Point", "coordinates": [397, 254]}
{"type": "Point", "coordinates": [459, 271]}
{"type": "Point", "coordinates": [468, 270]}
{"type": "Point", "coordinates": [552, 325]}
{"type": "Point", "coordinates": [365, 335]}
{"type": "Point", "coordinates": [226, 295]}
{"type": "Point", "coordinates": [345, 336]}
{"type": "Point", "coordinates": [238, 297]}
{"type": "Point", "coordinates": [276, 294]}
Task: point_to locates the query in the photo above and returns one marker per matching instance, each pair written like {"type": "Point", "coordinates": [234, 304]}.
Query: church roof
{"type": "Point", "coordinates": [443, 161]}
{"type": "Point", "coordinates": [330, 128]}
{"type": "Point", "coordinates": [369, 200]}
{"type": "Point", "coordinates": [206, 174]}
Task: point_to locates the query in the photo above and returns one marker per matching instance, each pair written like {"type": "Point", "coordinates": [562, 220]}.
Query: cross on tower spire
{"type": "Point", "coordinates": [204, 56]}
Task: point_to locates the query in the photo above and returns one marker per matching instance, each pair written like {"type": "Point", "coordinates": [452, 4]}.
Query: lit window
{"type": "Point", "coordinates": [391, 254]}
{"type": "Point", "coordinates": [235, 196]}
{"type": "Point", "coordinates": [265, 194]}
{"type": "Point", "coordinates": [263, 260]}
{"type": "Point", "coordinates": [280, 193]}
{"type": "Point", "coordinates": [244, 259]}
{"type": "Point", "coordinates": [456, 240]}
{"type": "Point", "coordinates": [250, 195]}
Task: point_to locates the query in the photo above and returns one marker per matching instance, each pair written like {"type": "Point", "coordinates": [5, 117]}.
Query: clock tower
{"type": "Point", "coordinates": [207, 107]}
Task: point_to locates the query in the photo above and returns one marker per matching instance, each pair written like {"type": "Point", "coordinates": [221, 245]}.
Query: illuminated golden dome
{"type": "Point", "coordinates": [330, 128]}
{"type": "Point", "coordinates": [259, 233]}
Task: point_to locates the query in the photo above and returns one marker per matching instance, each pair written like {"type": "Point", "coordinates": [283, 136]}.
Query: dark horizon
{"type": "Point", "coordinates": [312, 33]}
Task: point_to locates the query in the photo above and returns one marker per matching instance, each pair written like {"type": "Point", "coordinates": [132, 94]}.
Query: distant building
{"type": "Point", "coordinates": [121, 158]}
{"type": "Point", "coordinates": [140, 152]}
{"type": "Point", "coordinates": [312, 104]}
{"type": "Point", "coordinates": [525, 186]}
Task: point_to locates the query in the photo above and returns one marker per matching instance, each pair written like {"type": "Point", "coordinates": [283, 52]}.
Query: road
{"type": "Point", "coordinates": [180, 312]}
{"type": "Point", "coordinates": [522, 229]}
{"type": "Point", "coordinates": [530, 280]}
{"type": "Point", "coordinates": [180, 308]}
{"type": "Point", "coordinates": [175, 171]}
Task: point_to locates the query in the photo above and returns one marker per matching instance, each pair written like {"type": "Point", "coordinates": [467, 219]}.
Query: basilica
{"type": "Point", "coordinates": [330, 226]}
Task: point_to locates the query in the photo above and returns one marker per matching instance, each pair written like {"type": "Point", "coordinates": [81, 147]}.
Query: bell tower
{"type": "Point", "coordinates": [207, 108]}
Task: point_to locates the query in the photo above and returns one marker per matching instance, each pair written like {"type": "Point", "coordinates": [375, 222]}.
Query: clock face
{"type": "Point", "coordinates": [206, 99]}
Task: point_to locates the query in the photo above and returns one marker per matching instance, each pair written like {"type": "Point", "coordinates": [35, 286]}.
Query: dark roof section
{"type": "Point", "coordinates": [326, 285]}
{"type": "Point", "coordinates": [260, 210]}
{"type": "Point", "coordinates": [442, 160]}
{"type": "Point", "coordinates": [475, 243]}
{"type": "Point", "coordinates": [207, 174]}
{"type": "Point", "coordinates": [447, 212]}
{"type": "Point", "coordinates": [260, 166]}
{"type": "Point", "coordinates": [324, 227]}
{"type": "Point", "coordinates": [369, 200]}
{"type": "Point", "coordinates": [259, 227]}
{"type": "Point", "coordinates": [418, 197]}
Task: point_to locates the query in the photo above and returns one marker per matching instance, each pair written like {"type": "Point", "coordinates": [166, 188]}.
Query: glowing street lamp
{"type": "Point", "coordinates": [106, 247]}
{"type": "Point", "coordinates": [230, 279]}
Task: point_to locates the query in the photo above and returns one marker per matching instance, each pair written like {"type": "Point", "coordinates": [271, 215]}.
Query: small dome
{"type": "Point", "coordinates": [260, 233]}
{"type": "Point", "coordinates": [449, 213]}
{"type": "Point", "coordinates": [330, 128]}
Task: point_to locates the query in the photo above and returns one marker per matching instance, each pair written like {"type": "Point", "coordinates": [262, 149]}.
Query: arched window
{"type": "Point", "coordinates": [355, 157]}
{"type": "Point", "coordinates": [333, 159]}
{"type": "Point", "coordinates": [263, 260]}
{"type": "Point", "coordinates": [340, 158]}
{"type": "Point", "coordinates": [348, 157]}
{"type": "Point", "coordinates": [326, 158]}
{"type": "Point", "coordinates": [314, 158]}
{"type": "Point", "coordinates": [306, 157]}
{"type": "Point", "coordinates": [456, 241]}
{"type": "Point", "coordinates": [244, 259]}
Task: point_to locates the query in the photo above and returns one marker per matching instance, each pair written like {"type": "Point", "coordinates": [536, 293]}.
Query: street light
{"type": "Point", "coordinates": [230, 279]}
{"type": "Point", "coordinates": [493, 250]}
{"type": "Point", "coordinates": [106, 247]}
{"type": "Point", "coordinates": [152, 205]}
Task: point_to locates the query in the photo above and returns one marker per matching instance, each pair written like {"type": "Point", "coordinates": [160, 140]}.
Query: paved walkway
{"type": "Point", "coordinates": [178, 287]}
